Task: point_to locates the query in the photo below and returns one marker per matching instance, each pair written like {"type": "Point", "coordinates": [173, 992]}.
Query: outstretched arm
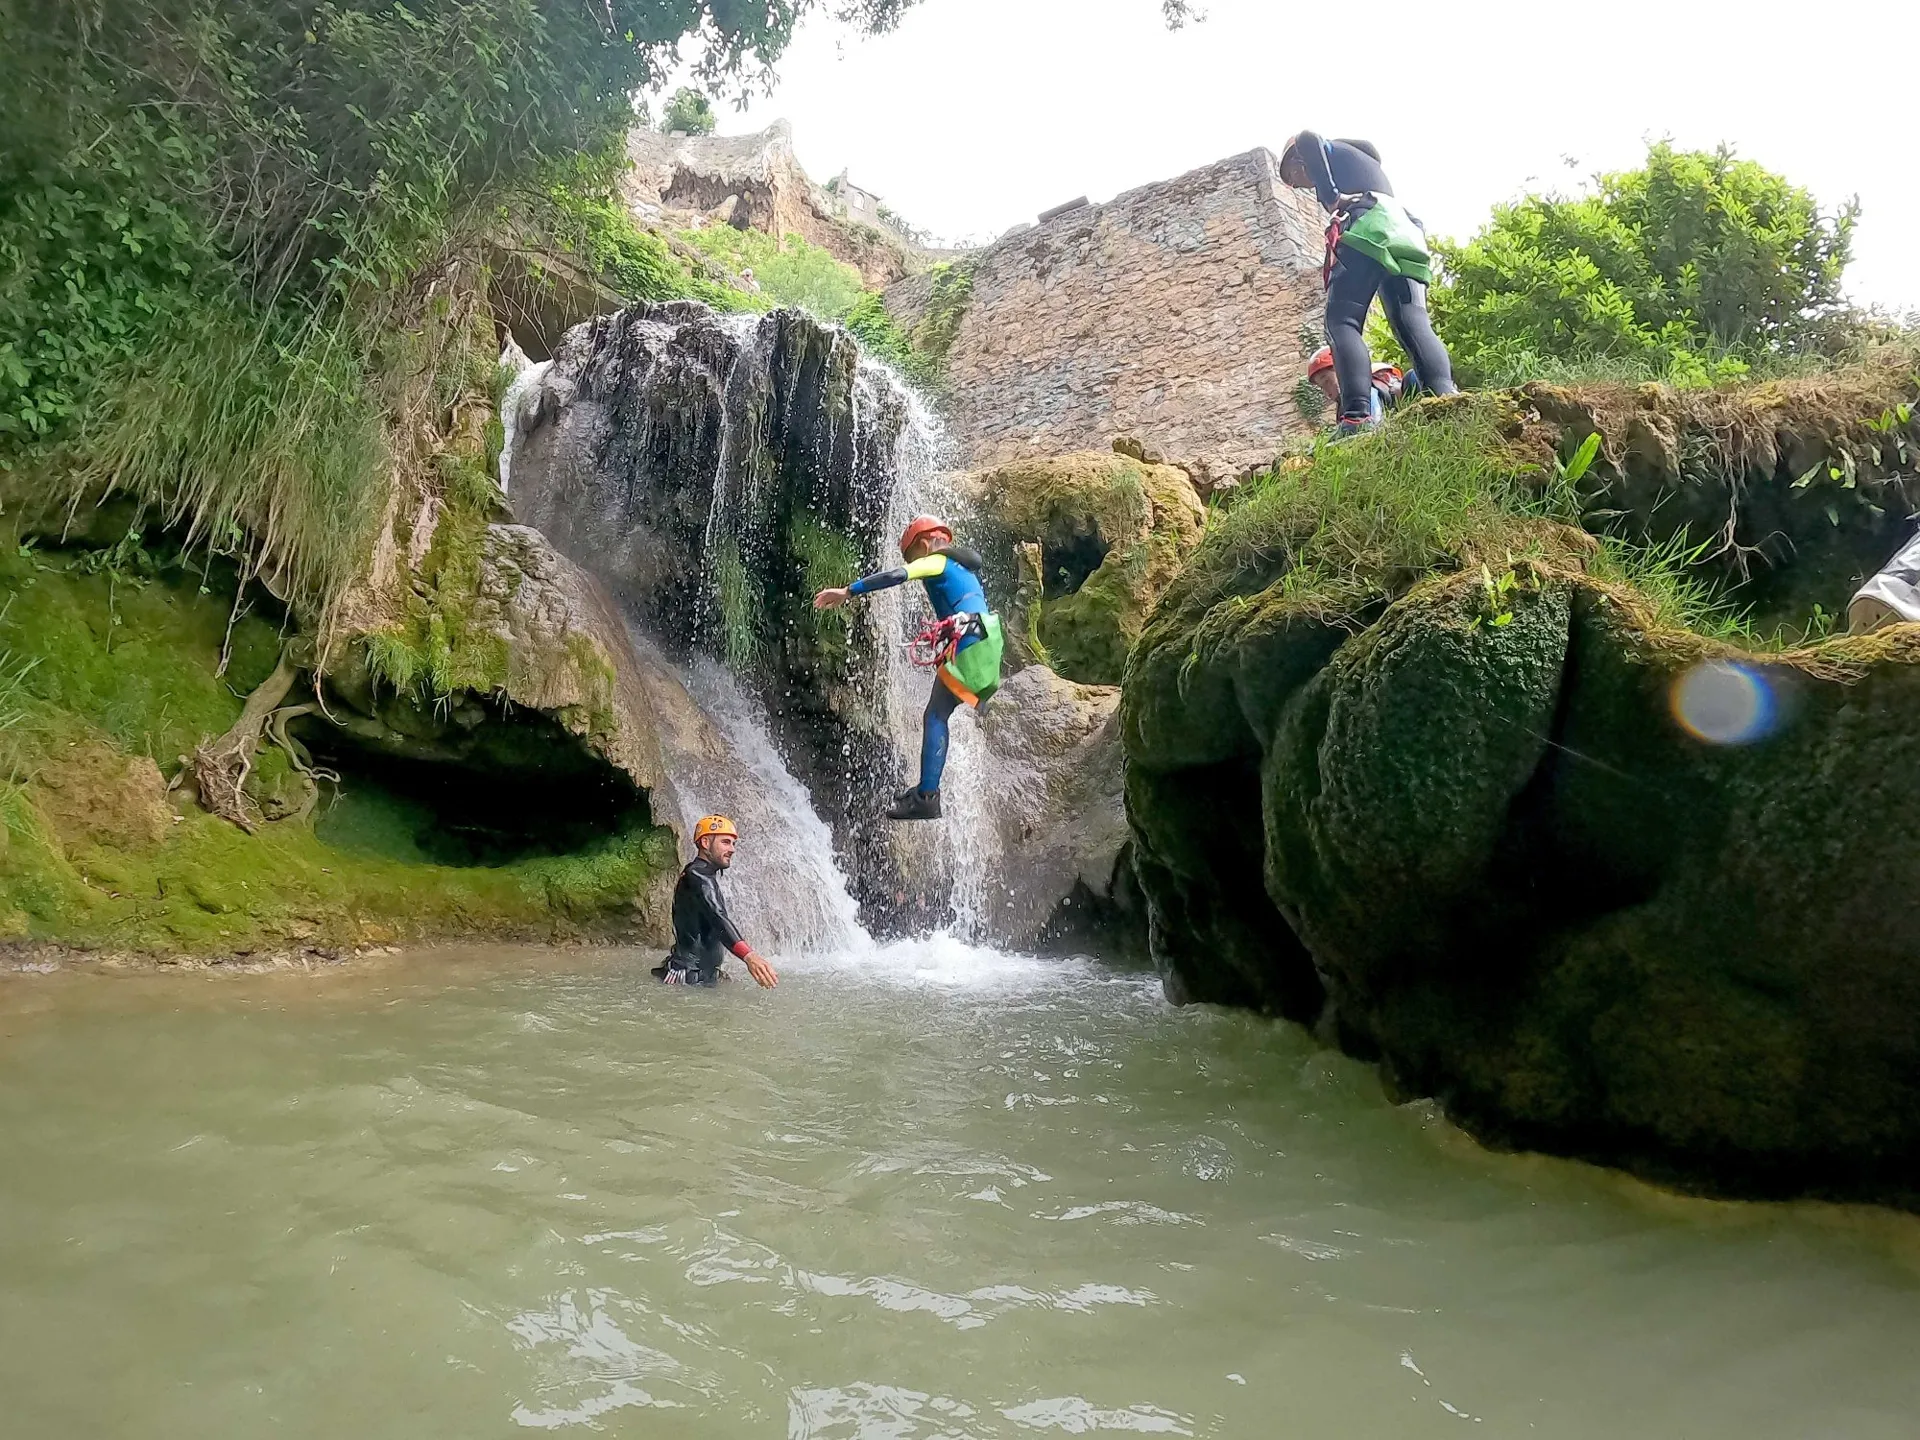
{"type": "Point", "coordinates": [730, 936]}
{"type": "Point", "coordinates": [924, 569]}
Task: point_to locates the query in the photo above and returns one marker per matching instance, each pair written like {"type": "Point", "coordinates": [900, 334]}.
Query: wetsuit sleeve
{"type": "Point", "coordinates": [879, 580]}
{"type": "Point", "coordinates": [924, 569]}
{"type": "Point", "coordinates": [963, 555]}
{"type": "Point", "coordinates": [1313, 154]}
{"type": "Point", "coordinates": [716, 919]}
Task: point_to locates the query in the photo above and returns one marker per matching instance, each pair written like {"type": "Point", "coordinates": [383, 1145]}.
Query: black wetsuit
{"type": "Point", "coordinates": [703, 933]}
{"type": "Point", "coordinates": [1341, 167]}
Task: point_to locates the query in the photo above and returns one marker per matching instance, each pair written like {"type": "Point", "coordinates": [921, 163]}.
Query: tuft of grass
{"type": "Point", "coordinates": [1678, 595]}
{"type": "Point", "coordinates": [255, 439]}
{"type": "Point", "coordinates": [1366, 516]}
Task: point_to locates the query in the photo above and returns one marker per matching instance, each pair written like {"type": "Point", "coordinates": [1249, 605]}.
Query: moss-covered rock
{"type": "Point", "coordinates": [1509, 867]}
{"type": "Point", "coordinates": [1094, 540]}
{"type": "Point", "coordinates": [104, 672]}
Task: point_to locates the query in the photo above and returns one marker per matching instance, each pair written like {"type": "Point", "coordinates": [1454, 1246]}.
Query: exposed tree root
{"type": "Point", "coordinates": [220, 766]}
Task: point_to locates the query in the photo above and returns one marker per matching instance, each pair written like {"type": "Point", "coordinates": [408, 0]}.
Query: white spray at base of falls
{"type": "Point", "coordinates": [784, 889]}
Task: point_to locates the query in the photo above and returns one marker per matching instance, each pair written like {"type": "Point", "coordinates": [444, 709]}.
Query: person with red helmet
{"type": "Point", "coordinates": [969, 638]}
{"type": "Point", "coordinates": [1388, 383]}
{"type": "Point", "coordinates": [703, 933]}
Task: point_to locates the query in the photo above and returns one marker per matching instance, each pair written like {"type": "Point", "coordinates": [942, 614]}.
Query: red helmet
{"type": "Point", "coordinates": [1321, 362]}
{"type": "Point", "coordinates": [922, 525]}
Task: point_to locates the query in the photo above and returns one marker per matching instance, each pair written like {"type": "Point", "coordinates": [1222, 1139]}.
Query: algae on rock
{"type": "Point", "coordinates": [1489, 856]}
{"type": "Point", "coordinates": [1091, 541]}
{"type": "Point", "coordinates": [125, 673]}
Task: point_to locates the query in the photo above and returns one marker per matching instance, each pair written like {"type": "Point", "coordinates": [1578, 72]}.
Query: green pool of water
{"type": "Point", "coordinates": [924, 1192]}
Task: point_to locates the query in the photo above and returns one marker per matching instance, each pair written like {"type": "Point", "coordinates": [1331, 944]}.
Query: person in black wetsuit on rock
{"type": "Point", "coordinates": [1373, 248]}
{"type": "Point", "coordinates": [703, 932]}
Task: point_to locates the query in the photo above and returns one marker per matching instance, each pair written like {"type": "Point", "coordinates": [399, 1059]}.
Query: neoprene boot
{"type": "Point", "coordinates": [916, 804]}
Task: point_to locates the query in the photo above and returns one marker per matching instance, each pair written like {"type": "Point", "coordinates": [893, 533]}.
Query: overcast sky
{"type": "Point", "coordinates": [976, 114]}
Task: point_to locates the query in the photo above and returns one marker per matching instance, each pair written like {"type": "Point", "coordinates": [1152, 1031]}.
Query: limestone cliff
{"type": "Point", "coordinates": [754, 182]}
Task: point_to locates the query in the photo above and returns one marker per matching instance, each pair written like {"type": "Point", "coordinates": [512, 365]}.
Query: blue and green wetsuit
{"type": "Point", "coordinates": [952, 577]}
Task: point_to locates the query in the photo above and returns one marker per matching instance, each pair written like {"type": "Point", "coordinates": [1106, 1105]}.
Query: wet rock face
{"type": "Point", "coordinates": [1055, 801]}
{"type": "Point", "coordinates": [713, 473]}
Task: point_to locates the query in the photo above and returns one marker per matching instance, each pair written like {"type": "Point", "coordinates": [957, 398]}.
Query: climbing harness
{"type": "Point", "coordinates": [940, 641]}
{"type": "Point", "coordinates": [1344, 213]}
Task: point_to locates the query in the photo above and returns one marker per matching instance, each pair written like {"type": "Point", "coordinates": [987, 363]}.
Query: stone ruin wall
{"type": "Point", "coordinates": [1171, 314]}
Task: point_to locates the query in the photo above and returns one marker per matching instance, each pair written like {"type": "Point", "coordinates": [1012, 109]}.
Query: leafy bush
{"type": "Point", "coordinates": [688, 112]}
{"type": "Point", "coordinates": [1696, 266]}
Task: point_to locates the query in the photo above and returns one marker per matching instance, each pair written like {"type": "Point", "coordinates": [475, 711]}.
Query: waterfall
{"type": "Point", "coordinates": [714, 472]}
{"type": "Point", "coordinates": [784, 889]}
{"type": "Point", "coordinates": [955, 854]}
{"type": "Point", "coordinates": [524, 386]}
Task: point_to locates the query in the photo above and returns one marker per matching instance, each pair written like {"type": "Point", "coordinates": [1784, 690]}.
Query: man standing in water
{"type": "Point", "coordinates": [965, 641]}
{"type": "Point", "coordinates": [703, 932]}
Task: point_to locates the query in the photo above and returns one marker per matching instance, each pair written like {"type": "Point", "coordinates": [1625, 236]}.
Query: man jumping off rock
{"type": "Point", "coordinates": [703, 932]}
{"type": "Point", "coordinates": [1373, 247]}
{"type": "Point", "coordinates": [967, 643]}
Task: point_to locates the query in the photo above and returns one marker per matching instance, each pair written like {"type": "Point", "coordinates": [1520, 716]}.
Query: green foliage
{"type": "Point", "coordinates": [920, 354]}
{"type": "Point", "coordinates": [788, 271]}
{"type": "Point", "coordinates": [255, 435]}
{"type": "Point", "coordinates": [209, 214]}
{"type": "Point", "coordinates": [689, 112]}
{"type": "Point", "coordinates": [1309, 400]}
{"type": "Point", "coordinates": [881, 336]}
{"type": "Point", "coordinates": [330, 145]}
{"type": "Point", "coordinates": [952, 294]}
{"type": "Point", "coordinates": [1695, 267]}
{"type": "Point", "coordinates": [89, 269]}
{"type": "Point", "coordinates": [1667, 576]}
{"type": "Point", "coordinates": [576, 208]}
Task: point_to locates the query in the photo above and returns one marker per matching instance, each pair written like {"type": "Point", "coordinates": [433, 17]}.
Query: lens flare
{"type": "Point", "coordinates": [1725, 703]}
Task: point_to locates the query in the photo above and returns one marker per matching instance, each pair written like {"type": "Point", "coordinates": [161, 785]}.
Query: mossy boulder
{"type": "Point", "coordinates": [102, 671]}
{"type": "Point", "coordinates": [1494, 851]}
{"type": "Point", "coordinates": [1092, 540]}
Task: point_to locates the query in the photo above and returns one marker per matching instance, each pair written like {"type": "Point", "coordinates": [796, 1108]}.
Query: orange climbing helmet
{"type": "Point", "coordinates": [709, 826]}
{"type": "Point", "coordinates": [923, 525]}
{"type": "Point", "coordinates": [1321, 362]}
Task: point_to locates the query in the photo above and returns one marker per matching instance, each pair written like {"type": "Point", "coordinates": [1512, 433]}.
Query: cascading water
{"type": "Point", "coordinates": [956, 852]}
{"type": "Point", "coordinates": [785, 889]}
{"type": "Point", "coordinates": [714, 472]}
{"type": "Point", "coordinates": [526, 383]}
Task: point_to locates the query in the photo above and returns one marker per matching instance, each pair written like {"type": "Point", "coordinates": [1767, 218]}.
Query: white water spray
{"type": "Point", "coordinates": [784, 888]}
{"type": "Point", "coordinates": [525, 383]}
